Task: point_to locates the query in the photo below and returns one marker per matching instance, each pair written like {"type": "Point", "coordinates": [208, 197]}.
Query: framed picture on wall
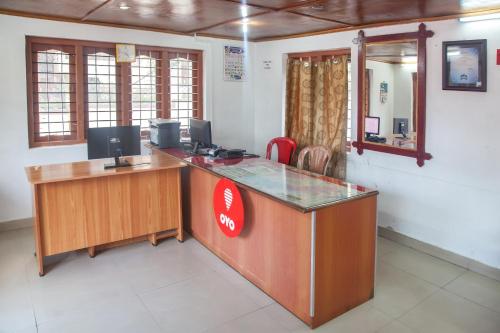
{"type": "Point", "coordinates": [464, 65]}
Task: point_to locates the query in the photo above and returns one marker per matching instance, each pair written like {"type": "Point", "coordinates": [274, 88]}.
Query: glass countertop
{"type": "Point", "coordinates": [301, 189]}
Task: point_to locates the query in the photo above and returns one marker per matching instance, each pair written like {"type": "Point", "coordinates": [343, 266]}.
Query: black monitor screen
{"type": "Point", "coordinates": [201, 132]}
{"type": "Point", "coordinates": [112, 141]}
{"type": "Point", "coordinates": [400, 126]}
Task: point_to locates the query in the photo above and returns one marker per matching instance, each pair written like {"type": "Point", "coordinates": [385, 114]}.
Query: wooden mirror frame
{"type": "Point", "coordinates": [421, 37]}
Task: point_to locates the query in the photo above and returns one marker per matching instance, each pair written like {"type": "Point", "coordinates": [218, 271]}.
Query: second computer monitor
{"type": "Point", "coordinates": [400, 126]}
{"type": "Point", "coordinates": [201, 133]}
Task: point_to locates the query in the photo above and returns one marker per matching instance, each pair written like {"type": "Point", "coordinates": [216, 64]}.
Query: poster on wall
{"type": "Point", "coordinates": [234, 63]}
{"type": "Point", "coordinates": [464, 65]}
{"type": "Point", "coordinates": [384, 89]}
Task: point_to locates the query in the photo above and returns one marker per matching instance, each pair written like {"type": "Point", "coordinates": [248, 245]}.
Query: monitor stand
{"type": "Point", "coordinates": [195, 147]}
{"type": "Point", "coordinates": [119, 163]}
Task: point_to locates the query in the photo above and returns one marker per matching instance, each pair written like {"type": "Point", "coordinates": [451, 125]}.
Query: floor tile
{"type": "Point", "coordinates": [55, 298]}
{"type": "Point", "coordinates": [123, 315]}
{"type": "Point", "coordinates": [385, 246]}
{"type": "Point", "coordinates": [258, 321]}
{"type": "Point", "coordinates": [198, 304]}
{"type": "Point", "coordinates": [444, 312]}
{"type": "Point", "coordinates": [157, 269]}
{"type": "Point", "coordinates": [477, 288]}
{"type": "Point", "coordinates": [285, 318]}
{"type": "Point", "coordinates": [395, 327]}
{"type": "Point", "coordinates": [424, 266]}
{"type": "Point", "coordinates": [16, 310]}
{"type": "Point", "coordinates": [396, 291]}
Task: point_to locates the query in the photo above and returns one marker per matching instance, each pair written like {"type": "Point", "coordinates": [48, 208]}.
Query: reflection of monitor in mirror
{"type": "Point", "coordinates": [400, 126]}
{"type": "Point", "coordinates": [372, 126]}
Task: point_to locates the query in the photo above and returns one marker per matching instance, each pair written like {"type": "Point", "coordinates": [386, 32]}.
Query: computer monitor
{"type": "Point", "coordinates": [201, 133]}
{"type": "Point", "coordinates": [372, 126]}
{"type": "Point", "coordinates": [114, 142]}
{"type": "Point", "coordinates": [400, 126]}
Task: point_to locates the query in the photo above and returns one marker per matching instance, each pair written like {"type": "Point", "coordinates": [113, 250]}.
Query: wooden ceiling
{"type": "Point", "coordinates": [258, 20]}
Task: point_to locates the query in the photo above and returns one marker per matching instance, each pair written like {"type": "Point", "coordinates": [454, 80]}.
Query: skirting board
{"type": "Point", "coordinates": [16, 224]}
{"type": "Point", "coordinates": [467, 263]}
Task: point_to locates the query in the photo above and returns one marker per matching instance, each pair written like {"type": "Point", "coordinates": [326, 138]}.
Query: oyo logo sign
{"type": "Point", "coordinates": [228, 208]}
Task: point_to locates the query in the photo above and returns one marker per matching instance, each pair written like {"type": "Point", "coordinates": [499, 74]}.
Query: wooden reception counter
{"type": "Point", "coordinates": [82, 205]}
{"type": "Point", "coordinates": [308, 240]}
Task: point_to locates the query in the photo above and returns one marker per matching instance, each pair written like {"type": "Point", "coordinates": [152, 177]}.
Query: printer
{"type": "Point", "coordinates": [164, 133]}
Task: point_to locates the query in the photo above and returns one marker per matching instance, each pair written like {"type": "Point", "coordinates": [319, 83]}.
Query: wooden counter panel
{"type": "Point", "coordinates": [345, 257]}
{"type": "Point", "coordinates": [88, 212]}
{"type": "Point", "coordinates": [273, 251]}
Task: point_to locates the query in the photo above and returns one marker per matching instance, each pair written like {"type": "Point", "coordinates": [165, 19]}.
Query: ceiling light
{"type": "Point", "coordinates": [494, 16]}
{"type": "Point", "coordinates": [409, 60]}
{"type": "Point", "coordinates": [317, 7]}
{"type": "Point", "coordinates": [244, 11]}
{"type": "Point", "coordinates": [124, 6]}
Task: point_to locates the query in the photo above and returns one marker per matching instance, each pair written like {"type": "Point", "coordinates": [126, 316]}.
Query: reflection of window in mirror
{"type": "Point", "coordinates": [391, 90]}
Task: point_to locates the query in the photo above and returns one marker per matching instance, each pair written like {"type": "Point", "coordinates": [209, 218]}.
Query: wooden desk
{"type": "Point", "coordinates": [317, 260]}
{"type": "Point", "coordinates": [82, 205]}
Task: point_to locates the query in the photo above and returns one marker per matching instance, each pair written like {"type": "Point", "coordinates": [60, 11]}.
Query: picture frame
{"type": "Point", "coordinates": [465, 65]}
{"type": "Point", "coordinates": [125, 53]}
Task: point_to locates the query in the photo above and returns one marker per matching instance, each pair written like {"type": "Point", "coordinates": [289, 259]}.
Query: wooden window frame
{"type": "Point", "coordinates": [124, 105]}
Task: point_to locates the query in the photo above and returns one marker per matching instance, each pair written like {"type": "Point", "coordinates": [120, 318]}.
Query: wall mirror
{"type": "Point", "coordinates": [391, 93]}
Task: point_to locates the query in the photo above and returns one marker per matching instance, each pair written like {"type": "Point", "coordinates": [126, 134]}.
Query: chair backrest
{"type": "Point", "coordinates": [286, 149]}
{"type": "Point", "coordinates": [319, 157]}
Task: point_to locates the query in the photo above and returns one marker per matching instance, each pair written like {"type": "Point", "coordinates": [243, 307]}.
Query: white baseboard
{"type": "Point", "coordinates": [16, 224]}
{"type": "Point", "coordinates": [437, 252]}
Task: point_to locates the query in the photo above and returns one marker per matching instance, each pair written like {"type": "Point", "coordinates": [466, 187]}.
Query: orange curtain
{"type": "Point", "coordinates": [316, 107]}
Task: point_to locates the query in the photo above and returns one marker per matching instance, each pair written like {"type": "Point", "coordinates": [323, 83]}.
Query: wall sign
{"type": "Point", "coordinates": [228, 208]}
{"type": "Point", "coordinates": [384, 89]}
{"type": "Point", "coordinates": [234, 63]}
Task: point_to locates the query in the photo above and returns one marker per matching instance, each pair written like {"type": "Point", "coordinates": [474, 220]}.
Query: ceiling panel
{"type": "Point", "coordinates": [273, 24]}
{"type": "Point", "coordinates": [62, 8]}
{"type": "Point", "coordinates": [275, 3]}
{"type": "Point", "coordinates": [268, 18]}
{"type": "Point", "coordinates": [176, 15]}
{"type": "Point", "coordinates": [361, 12]}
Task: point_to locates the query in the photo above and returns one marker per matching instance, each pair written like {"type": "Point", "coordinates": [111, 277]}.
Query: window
{"type": "Point", "coordinates": [183, 86]}
{"type": "Point", "coordinates": [75, 85]}
{"type": "Point", "coordinates": [53, 97]}
{"type": "Point", "coordinates": [146, 79]}
{"type": "Point", "coordinates": [101, 77]}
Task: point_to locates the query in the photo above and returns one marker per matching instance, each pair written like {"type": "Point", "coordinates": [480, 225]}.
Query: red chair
{"type": "Point", "coordinates": [286, 148]}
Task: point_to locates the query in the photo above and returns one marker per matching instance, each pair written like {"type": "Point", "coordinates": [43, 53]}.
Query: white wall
{"type": "Point", "coordinates": [381, 72]}
{"type": "Point", "coordinates": [452, 202]}
{"type": "Point", "coordinates": [228, 104]}
{"type": "Point", "coordinates": [403, 95]}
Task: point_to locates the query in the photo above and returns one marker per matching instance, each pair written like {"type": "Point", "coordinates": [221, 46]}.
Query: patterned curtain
{"type": "Point", "coordinates": [316, 107]}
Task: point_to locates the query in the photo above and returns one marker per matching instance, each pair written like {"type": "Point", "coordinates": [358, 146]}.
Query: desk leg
{"type": "Point", "coordinates": [91, 251]}
{"type": "Point", "coordinates": [180, 228]}
{"type": "Point", "coordinates": [38, 231]}
{"type": "Point", "coordinates": [153, 239]}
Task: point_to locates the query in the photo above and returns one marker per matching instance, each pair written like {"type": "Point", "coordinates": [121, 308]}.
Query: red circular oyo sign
{"type": "Point", "coordinates": [228, 208]}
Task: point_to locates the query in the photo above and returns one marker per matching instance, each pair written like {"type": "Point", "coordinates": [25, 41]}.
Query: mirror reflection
{"type": "Point", "coordinates": [391, 93]}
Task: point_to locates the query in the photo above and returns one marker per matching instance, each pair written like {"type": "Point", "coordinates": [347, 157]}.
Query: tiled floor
{"type": "Point", "coordinates": [184, 288]}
